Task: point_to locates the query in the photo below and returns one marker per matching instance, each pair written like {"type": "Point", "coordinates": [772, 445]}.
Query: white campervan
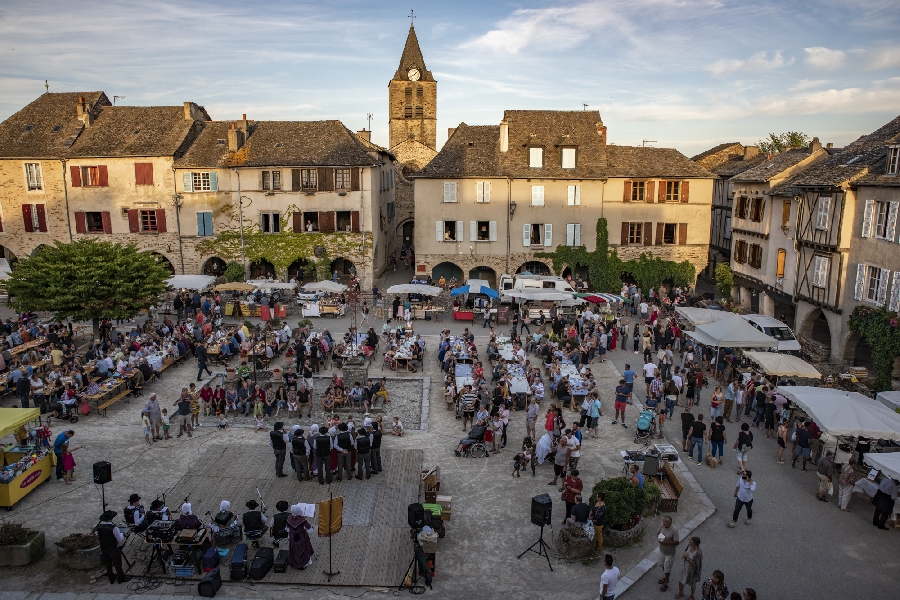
{"type": "Point", "coordinates": [537, 282]}
{"type": "Point", "coordinates": [778, 330]}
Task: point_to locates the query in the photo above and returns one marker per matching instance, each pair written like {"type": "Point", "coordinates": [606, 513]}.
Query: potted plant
{"type": "Point", "coordinates": [20, 546]}
{"type": "Point", "coordinates": [79, 551]}
{"type": "Point", "coordinates": [625, 505]}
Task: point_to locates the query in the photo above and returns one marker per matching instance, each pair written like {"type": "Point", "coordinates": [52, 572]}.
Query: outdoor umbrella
{"type": "Point", "coordinates": [235, 287]}
{"type": "Point", "coordinates": [465, 289]}
{"type": "Point", "coordinates": [190, 282]}
{"type": "Point", "coordinates": [412, 288]}
{"type": "Point", "coordinates": [783, 365]}
{"type": "Point", "coordinates": [325, 286]}
{"type": "Point", "coordinates": [594, 299]}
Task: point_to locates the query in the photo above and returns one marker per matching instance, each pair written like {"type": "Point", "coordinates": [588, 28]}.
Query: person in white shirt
{"type": "Point", "coordinates": [609, 579]}
{"type": "Point", "coordinates": [743, 494]}
{"type": "Point", "coordinates": [644, 311]}
{"type": "Point", "coordinates": [649, 374]}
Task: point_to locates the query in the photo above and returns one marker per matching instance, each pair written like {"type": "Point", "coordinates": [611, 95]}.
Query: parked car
{"type": "Point", "coordinates": [710, 304]}
{"type": "Point", "coordinates": [771, 326]}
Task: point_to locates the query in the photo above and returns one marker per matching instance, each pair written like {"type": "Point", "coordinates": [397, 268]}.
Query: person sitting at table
{"type": "Point", "coordinates": [244, 371]}
{"type": "Point", "coordinates": [416, 358]}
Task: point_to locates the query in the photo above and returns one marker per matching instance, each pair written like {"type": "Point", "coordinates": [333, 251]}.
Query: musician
{"type": "Point", "coordinates": [253, 520]}
{"type": "Point", "coordinates": [135, 514]}
{"type": "Point", "coordinates": [279, 521]}
{"type": "Point", "coordinates": [363, 450]}
{"type": "Point", "coordinates": [111, 540]}
{"type": "Point", "coordinates": [345, 444]}
{"type": "Point", "coordinates": [376, 446]}
{"type": "Point", "coordinates": [279, 441]}
{"type": "Point", "coordinates": [323, 444]}
{"type": "Point", "coordinates": [188, 520]}
{"type": "Point", "coordinates": [300, 453]}
{"type": "Point", "coordinates": [158, 512]}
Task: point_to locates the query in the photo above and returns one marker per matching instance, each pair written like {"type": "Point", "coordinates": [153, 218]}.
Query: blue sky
{"type": "Point", "coordinates": [686, 73]}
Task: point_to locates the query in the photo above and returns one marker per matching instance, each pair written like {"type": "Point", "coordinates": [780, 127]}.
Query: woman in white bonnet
{"type": "Point", "coordinates": [300, 548]}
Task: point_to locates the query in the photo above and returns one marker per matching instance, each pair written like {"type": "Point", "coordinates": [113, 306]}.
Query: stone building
{"type": "Point", "coordinates": [73, 165]}
{"type": "Point", "coordinates": [495, 195]}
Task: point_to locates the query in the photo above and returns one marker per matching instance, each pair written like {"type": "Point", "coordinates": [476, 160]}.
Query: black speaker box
{"type": "Point", "coordinates": [415, 516]}
{"type": "Point", "coordinates": [102, 472]}
{"type": "Point", "coordinates": [541, 509]}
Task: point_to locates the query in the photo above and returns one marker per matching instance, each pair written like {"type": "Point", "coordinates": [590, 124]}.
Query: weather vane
{"type": "Point", "coordinates": [412, 14]}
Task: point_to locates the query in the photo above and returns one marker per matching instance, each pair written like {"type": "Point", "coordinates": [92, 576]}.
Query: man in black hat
{"type": "Point", "coordinates": [134, 513]}
{"type": "Point", "coordinates": [111, 540]}
{"type": "Point", "coordinates": [279, 444]}
{"type": "Point", "coordinates": [279, 521]}
{"type": "Point", "coordinates": [253, 521]}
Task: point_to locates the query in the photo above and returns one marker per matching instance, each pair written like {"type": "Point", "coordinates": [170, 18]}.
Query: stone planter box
{"type": "Point", "coordinates": [621, 539]}
{"type": "Point", "coordinates": [81, 560]}
{"type": "Point", "coordinates": [23, 554]}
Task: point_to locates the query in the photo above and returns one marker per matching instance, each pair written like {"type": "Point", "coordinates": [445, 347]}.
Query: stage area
{"type": "Point", "coordinates": [372, 549]}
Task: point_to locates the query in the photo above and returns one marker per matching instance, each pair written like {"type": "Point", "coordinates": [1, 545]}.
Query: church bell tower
{"type": "Point", "coordinates": [412, 99]}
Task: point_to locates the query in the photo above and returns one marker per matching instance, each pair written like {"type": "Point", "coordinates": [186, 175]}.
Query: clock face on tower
{"type": "Point", "coordinates": [413, 74]}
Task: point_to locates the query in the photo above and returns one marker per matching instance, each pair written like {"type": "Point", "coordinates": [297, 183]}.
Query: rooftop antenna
{"type": "Point", "coordinates": [645, 142]}
{"type": "Point", "coordinates": [46, 87]}
{"type": "Point", "coordinates": [117, 98]}
{"type": "Point", "coordinates": [369, 118]}
{"type": "Point", "coordinates": [584, 106]}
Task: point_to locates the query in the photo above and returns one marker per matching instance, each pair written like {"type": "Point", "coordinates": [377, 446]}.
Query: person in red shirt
{"type": "Point", "coordinates": [218, 400]}
{"type": "Point", "coordinates": [206, 397]}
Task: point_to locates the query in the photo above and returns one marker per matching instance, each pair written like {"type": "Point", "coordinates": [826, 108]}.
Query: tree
{"type": "Point", "coordinates": [88, 280]}
{"type": "Point", "coordinates": [234, 271]}
{"type": "Point", "coordinates": [724, 280]}
{"type": "Point", "coordinates": [881, 330]}
{"type": "Point", "coordinates": [781, 142]}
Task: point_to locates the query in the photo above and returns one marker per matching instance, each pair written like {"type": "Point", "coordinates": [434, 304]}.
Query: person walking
{"type": "Point", "coordinates": [668, 544]}
{"type": "Point", "coordinates": [743, 446]}
{"type": "Point", "coordinates": [202, 360]}
{"type": "Point", "coordinates": [824, 471]}
{"type": "Point", "coordinates": [696, 434]}
{"type": "Point", "coordinates": [743, 494]}
{"type": "Point", "coordinates": [781, 438]}
{"type": "Point", "coordinates": [692, 566]}
{"type": "Point", "coordinates": [717, 438]}
{"type": "Point", "coordinates": [598, 518]}
{"type": "Point", "coordinates": [155, 413]}
{"type": "Point", "coordinates": [845, 483]}
{"type": "Point", "coordinates": [802, 436]}
{"type": "Point", "coordinates": [714, 588]}
{"type": "Point", "coordinates": [609, 579]}
{"type": "Point", "coordinates": [884, 501]}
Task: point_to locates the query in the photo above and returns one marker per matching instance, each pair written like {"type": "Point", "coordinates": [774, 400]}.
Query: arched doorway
{"type": "Point", "coordinates": [858, 352]}
{"type": "Point", "coordinates": [574, 273]}
{"type": "Point", "coordinates": [816, 328]}
{"type": "Point", "coordinates": [160, 259]}
{"type": "Point", "coordinates": [486, 273]}
{"type": "Point", "coordinates": [407, 233]}
{"type": "Point", "coordinates": [299, 269]}
{"type": "Point", "coordinates": [214, 266]}
{"type": "Point", "coordinates": [535, 267]}
{"type": "Point", "coordinates": [37, 249]}
{"type": "Point", "coordinates": [448, 270]}
{"type": "Point", "coordinates": [344, 267]}
{"type": "Point", "coordinates": [262, 269]}
{"type": "Point", "coordinates": [9, 255]}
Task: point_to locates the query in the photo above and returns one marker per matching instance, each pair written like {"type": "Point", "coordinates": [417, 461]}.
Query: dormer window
{"type": "Point", "coordinates": [893, 165]}
{"type": "Point", "coordinates": [536, 158]}
{"type": "Point", "coordinates": [568, 158]}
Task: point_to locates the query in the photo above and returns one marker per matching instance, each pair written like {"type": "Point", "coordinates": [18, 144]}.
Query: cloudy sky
{"type": "Point", "coordinates": [684, 73]}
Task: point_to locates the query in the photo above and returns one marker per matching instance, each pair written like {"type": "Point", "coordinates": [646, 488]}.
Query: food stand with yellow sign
{"type": "Point", "coordinates": [23, 468]}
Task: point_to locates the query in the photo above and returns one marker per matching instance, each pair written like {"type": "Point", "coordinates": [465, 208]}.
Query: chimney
{"type": "Point", "coordinates": [450, 131]}
{"type": "Point", "coordinates": [242, 124]}
{"type": "Point", "coordinates": [83, 110]}
{"type": "Point", "coordinates": [235, 139]}
{"type": "Point", "coordinates": [815, 145]}
{"type": "Point", "coordinates": [601, 131]}
{"type": "Point", "coordinates": [364, 134]}
{"type": "Point", "coordinates": [504, 136]}
{"type": "Point", "coordinates": [190, 110]}
{"type": "Point", "coordinates": [829, 145]}
{"type": "Point", "coordinates": [751, 152]}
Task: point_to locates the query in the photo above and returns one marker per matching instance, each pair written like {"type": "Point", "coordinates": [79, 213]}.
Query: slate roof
{"type": "Point", "coordinates": [136, 131]}
{"type": "Point", "coordinates": [719, 154]}
{"type": "Point", "coordinates": [44, 114]}
{"type": "Point", "coordinates": [638, 161]}
{"type": "Point", "coordinates": [554, 129]}
{"type": "Point", "coordinates": [472, 151]}
{"type": "Point", "coordinates": [771, 167]}
{"type": "Point", "coordinates": [278, 144]}
{"type": "Point", "coordinates": [412, 57]}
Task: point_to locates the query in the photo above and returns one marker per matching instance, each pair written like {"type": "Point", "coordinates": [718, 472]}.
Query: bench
{"type": "Point", "coordinates": [671, 490]}
{"type": "Point", "coordinates": [113, 400]}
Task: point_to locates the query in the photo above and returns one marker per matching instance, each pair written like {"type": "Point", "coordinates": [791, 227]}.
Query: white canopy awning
{"type": "Point", "coordinates": [191, 282]}
{"type": "Point", "coordinates": [842, 413]}
{"type": "Point", "coordinates": [784, 365]}
{"type": "Point", "coordinates": [733, 332]}
{"type": "Point", "coordinates": [325, 286]}
{"type": "Point", "coordinates": [886, 462]}
{"type": "Point", "coordinates": [271, 284]}
{"type": "Point", "coordinates": [702, 316]}
{"type": "Point", "coordinates": [890, 399]}
{"type": "Point", "coordinates": [414, 288]}
{"type": "Point", "coordinates": [539, 294]}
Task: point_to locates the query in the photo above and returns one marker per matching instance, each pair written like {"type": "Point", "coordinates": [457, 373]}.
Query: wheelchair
{"type": "Point", "coordinates": [473, 445]}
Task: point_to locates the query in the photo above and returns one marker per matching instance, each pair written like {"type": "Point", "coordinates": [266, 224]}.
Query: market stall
{"type": "Point", "coordinates": [783, 365]}
{"type": "Point", "coordinates": [23, 467]}
{"type": "Point", "coordinates": [702, 316]}
{"type": "Point", "coordinates": [232, 305]}
{"type": "Point", "coordinates": [416, 292]}
{"type": "Point", "coordinates": [190, 282]}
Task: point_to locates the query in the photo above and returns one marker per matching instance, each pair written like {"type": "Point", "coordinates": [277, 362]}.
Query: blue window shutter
{"type": "Point", "coordinates": [201, 224]}
{"type": "Point", "coordinates": [188, 182]}
{"type": "Point", "coordinates": [208, 223]}
{"type": "Point", "coordinates": [213, 181]}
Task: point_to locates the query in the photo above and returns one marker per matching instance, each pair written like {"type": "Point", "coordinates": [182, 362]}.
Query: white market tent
{"type": "Point", "coordinates": [537, 294]}
{"type": "Point", "coordinates": [886, 462]}
{"type": "Point", "coordinates": [415, 288]}
{"type": "Point", "coordinates": [842, 413]}
{"type": "Point", "coordinates": [783, 365]}
{"type": "Point", "coordinates": [191, 282]}
{"type": "Point", "coordinates": [734, 332]}
{"type": "Point", "coordinates": [702, 316]}
{"type": "Point", "coordinates": [325, 286]}
{"type": "Point", "coordinates": [889, 399]}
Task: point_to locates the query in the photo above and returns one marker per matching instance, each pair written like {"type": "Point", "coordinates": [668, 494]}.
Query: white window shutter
{"type": "Point", "coordinates": [487, 191]}
{"type": "Point", "coordinates": [453, 186]}
{"type": "Point", "coordinates": [526, 234]}
{"type": "Point", "coordinates": [537, 195]}
{"type": "Point", "coordinates": [577, 195]}
{"type": "Point", "coordinates": [213, 181]}
{"type": "Point", "coordinates": [867, 218]}
{"type": "Point", "coordinates": [548, 234]}
{"type": "Point", "coordinates": [473, 231]}
{"type": "Point", "coordinates": [571, 196]}
{"type": "Point", "coordinates": [882, 287]}
{"type": "Point", "coordinates": [894, 304]}
{"type": "Point", "coordinates": [891, 221]}
{"type": "Point", "coordinates": [577, 234]}
{"type": "Point", "coordinates": [188, 182]}
{"type": "Point", "coordinates": [860, 288]}
{"type": "Point", "coordinates": [493, 231]}
{"type": "Point", "coordinates": [479, 191]}
{"type": "Point", "coordinates": [439, 226]}
{"type": "Point", "coordinates": [460, 232]}
{"type": "Point", "coordinates": [570, 234]}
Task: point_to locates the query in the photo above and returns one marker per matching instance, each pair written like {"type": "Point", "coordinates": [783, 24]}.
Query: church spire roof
{"type": "Point", "coordinates": [412, 58]}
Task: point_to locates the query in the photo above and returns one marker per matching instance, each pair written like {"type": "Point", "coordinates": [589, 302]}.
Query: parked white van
{"type": "Point", "coordinates": [778, 330]}
{"type": "Point", "coordinates": [537, 282]}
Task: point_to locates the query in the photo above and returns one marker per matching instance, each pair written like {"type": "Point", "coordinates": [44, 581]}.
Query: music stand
{"type": "Point", "coordinates": [543, 549]}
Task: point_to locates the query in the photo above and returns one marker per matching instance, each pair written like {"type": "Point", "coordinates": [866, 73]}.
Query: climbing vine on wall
{"type": "Point", "coordinates": [881, 330]}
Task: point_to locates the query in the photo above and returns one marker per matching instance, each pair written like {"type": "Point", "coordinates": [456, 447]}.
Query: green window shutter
{"type": "Point", "coordinates": [188, 182]}
{"type": "Point", "coordinates": [213, 181]}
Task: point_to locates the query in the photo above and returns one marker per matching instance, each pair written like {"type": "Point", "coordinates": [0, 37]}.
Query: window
{"type": "Point", "coordinates": [779, 267]}
{"type": "Point", "coordinates": [308, 179]}
{"type": "Point", "coordinates": [450, 191]}
{"type": "Point", "coordinates": [786, 212]}
{"type": "Point", "coordinates": [573, 234]}
{"type": "Point", "coordinates": [344, 222]}
{"type": "Point", "coordinates": [635, 233]}
{"type": "Point", "coordinates": [535, 158]}
{"type": "Point", "coordinates": [483, 192]}
{"type": "Point", "coordinates": [568, 158]}
{"type": "Point", "coordinates": [201, 182]}
{"type": "Point", "coordinates": [204, 224]}
{"type": "Point", "coordinates": [740, 251]}
{"type": "Point", "coordinates": [93, 222]}
{"type": "Point", "coordinates": [740, 210]}
{"type": "Point", "coordinates": [270, 222]}
{"type": "Point", "coordinates": [407, 112]}
{"type": "Point", "coordinates": [33, 179]}
{"type": "Point", "coordinates": [143, 173]}
{"type": "Point", "coordinates": [876, 284]}
{"type": "Point", "coordinates": [271, 180]}
{"type": "Point", "coordinates": [535, 234]}
{"type": "Point", "coordinates": [148, 220]}
{"type": "Point", "coordinates": [881, 219]}
{"type": "Point", "coordinates": [823, 206]}
{"type": "Point", "coordinates": [419, 112]}
{"type": "Point", "coordinates": [537, 195]}
{"type": "Point", "coordinates": [820, 271]}
{"type": "Point", "coordinates": [637, 191]}
{"type": "Point", "coordinates": [756, 209]}
{"type": "Point", "coordinates": [420, 93]}
{"type": "Point", "coordinates": [894, 303]}
{"type": "Point", "coordinates": [342, 179]}
{"type": "Point", "coordinates": [447, 231]}
{"type": "Point", "coordinates": [755, 259]}
{"type": "Point", "coordinates": [94, 176]}
{"type": "Point", "coordinates": [35, 217]}
{"type": "Point", "coordinates": [408, 94]}
{"type": "Point", "coordinates": [483, 231]}
{"type": "Point", "coordinates": [574, 195]}
{"type": "Point", "coordinates": [893, 166]}
{"type": "Point", "coordinates": [673, 191]}
{"type": "Point", "coordinates": [670, 232]}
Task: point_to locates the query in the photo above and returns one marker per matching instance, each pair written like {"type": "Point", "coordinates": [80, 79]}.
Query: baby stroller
{"type": "Point", "coordinates": [646, 427]}
{"type": "Point", "coordinates": [473, 445]}
{"type": "Point", "coordinates": [63, 412]}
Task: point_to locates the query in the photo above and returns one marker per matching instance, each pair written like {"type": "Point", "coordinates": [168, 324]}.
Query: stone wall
{"type": "Point", "coordinates": [697, 254]}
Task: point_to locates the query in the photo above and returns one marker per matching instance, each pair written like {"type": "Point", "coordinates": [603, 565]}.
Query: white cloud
{"type": "Point", "coordinates": [757, 63]}
{"type": "Point", "coordinates": [886, 57]}
{"type": "Point", "coordinates": [824, 58]}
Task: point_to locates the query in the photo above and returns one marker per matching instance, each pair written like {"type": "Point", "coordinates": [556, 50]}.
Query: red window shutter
{"type": "Point", "coordinates": [134, 224]}
{"type": "Point", "coordinates": [660, 232]}
{"type": "Point", "coordinates": [648, 191]}
{"type": "Point", "coordinates": [624, 239]}
{"type": "Point", "coordinates": [648, 234]}
{"type": "Point", "coordinates": [354, 220]}
{"type": "Point", "coordinates": [326, 221]}
{"type": "Point", "coordinates": [327, 181]}
{"type": "Point", "coordinates": [682, 233]}
{"type": "Point", "coordinates": [354, 181]}
{"type": "Point", "coordinates": [104, 176]}
{"type": "Point", "coordinates": [662, 193]}
{"type": "Point", "coordinates": [26, 216]}
{"type": "Point", "coordinates": [626, 197]}
{"type": "Point", "coordinates": [107, 222]}
{"type": "Point", "coordinates": [42, 217]}
{"type": "Point", "coordinates": [143, 173]}
{"type": "Point", "coordinates": [161, 221]}
{"type": "Point", "coordinates": [80, 226]}
{"type": "Point", "coordinates": [297, 218]}
{"type": "Point", "coordinates": [684, 191]}
{"type": "Point", "coordinates": [76, 176]}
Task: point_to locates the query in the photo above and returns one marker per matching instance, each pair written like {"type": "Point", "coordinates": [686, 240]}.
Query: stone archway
{"type": "Point", "coordinates": [214, 266]}
{"type": "Point", "coordinates": [535, 267]}
{"type": "Point", "coordinates": [448, 270]}
{"type": "Point", "coordinates": [406, 230]}
{"type": "Point", "coordinates": [161, 259]}
{"type": "Point", "coordinates": [345, 269]}
{"type": "Point", "coordinates": [40, 247]}
{"type": "Point", "coordinates": [486, 273]}
{"type": "Point", "coordinates": [815, 327]}
{"type": "Point", "coordinates": [262, 269]}
{"type": "Point", "coordinates": [9, 255]}
{"type": "Point", "coordinates": [300, 269]}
